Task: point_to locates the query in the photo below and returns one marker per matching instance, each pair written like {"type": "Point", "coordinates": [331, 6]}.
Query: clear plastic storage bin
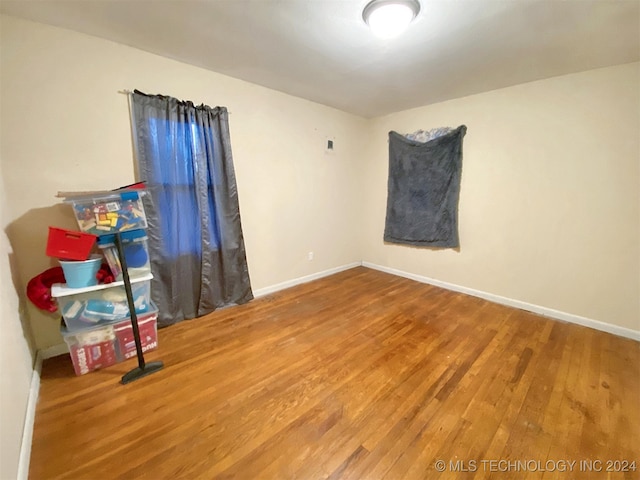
{"type": "Point", "coordinates": [105, 345]}
{"type": "Point", "coordinates": [85, 307]}
{"type": "Point", "coordinates": [136, 253]}
{"type": "Point", "coordinates": [119, 211]}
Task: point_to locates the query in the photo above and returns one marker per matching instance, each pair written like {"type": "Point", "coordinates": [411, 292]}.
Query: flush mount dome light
{"type": "Point", "coordinates": [389, 18]}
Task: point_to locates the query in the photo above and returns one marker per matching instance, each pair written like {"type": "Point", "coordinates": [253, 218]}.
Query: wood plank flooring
{"type": "Point", "coordinates": [361, 375]}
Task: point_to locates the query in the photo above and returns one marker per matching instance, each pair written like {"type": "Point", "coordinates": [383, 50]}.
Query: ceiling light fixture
{"type": "Point", "coordinates": [389, 18]}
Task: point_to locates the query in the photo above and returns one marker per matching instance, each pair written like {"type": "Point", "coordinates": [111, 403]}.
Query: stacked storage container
{"type": "Point", "coordinates": [98, 329]}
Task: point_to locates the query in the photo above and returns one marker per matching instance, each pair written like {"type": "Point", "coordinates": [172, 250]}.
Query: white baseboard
{"type": "Point", "coordinates": [29, 420]}
{"type": "Point", "coordinates": [32, 401]}
{"type": "Point", "coordinates": [261, 292]}
{"type": "Point", "coordinates": [510, 302]}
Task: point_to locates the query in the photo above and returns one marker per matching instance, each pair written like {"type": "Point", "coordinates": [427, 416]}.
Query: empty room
{"type": "Point", "coordinates": [317, 239]}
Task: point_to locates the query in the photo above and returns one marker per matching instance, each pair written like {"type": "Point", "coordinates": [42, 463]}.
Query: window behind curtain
{"type": "Point", "coordinates": [179, 205]}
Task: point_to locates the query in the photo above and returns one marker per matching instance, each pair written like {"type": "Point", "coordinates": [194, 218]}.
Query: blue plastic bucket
{"type": "Point", "coordinates": [83, 273]}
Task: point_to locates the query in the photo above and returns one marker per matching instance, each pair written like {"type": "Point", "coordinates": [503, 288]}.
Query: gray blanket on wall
{"type": "Point", "coordinates": [423, 190]}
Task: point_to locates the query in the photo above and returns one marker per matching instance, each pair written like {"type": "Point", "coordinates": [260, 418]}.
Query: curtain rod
{"type": "Point", "coordinates": [129, 92]}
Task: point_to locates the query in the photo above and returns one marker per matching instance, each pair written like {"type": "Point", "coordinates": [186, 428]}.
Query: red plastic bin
{"type": "Point", "coordinates": [69, 245]}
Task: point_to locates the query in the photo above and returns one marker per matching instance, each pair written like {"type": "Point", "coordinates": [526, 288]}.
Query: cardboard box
{"type": "Point", "coordinates": [87, 358]}
{"type": "Point", "coordinates": [148, 336]}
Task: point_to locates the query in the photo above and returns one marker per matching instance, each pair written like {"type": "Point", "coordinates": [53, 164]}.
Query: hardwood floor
{"type": "Point", "coordinates": [361, 375]}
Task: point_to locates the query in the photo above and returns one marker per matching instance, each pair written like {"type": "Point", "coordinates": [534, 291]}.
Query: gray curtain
{"type": "Point", "coordinates": [195, 235]}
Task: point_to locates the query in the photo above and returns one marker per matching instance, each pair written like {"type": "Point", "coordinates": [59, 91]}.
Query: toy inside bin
{"type": "Point", "coordinates": [135, 250]}
{"type": "Point", "coordinates": [117, 211]}
{"type": "Point", "coordinates": [148, 329]}
{"type": "Point", "coordinates": [69, 245]}
{"type": "Point", "coordinates": [91, 349]}
{"type": "Point", "coordinates": [85, 307]}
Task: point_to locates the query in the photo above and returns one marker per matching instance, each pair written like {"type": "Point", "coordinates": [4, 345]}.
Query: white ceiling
{"type": "Point", "coordinates": [322, 50]}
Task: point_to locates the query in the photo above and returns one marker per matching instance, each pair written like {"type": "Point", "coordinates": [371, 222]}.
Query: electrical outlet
{"type": "Point", "coordinates": [310, 256]}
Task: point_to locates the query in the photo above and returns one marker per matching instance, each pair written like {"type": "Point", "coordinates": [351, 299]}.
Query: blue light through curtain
{"type": "Point", "coordinates": [195, 235]}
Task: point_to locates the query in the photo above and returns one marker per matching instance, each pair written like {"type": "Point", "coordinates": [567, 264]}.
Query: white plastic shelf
{"type": "Point", "coordinates": [61, 289]}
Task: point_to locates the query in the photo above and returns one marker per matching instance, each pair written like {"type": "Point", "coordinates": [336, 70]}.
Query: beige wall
{"type": "Point", "coordinates": [549, 207]}
{"type": "Point", "coordinates": [65, 127]}
{"type": "Point", "coordinates": [549, 204]}
{"type": "Point", "coordinates": [15, 356]}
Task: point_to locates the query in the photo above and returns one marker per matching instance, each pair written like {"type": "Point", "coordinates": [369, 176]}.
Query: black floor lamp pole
{"type": "Point", "coordinates": [143, 369]}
